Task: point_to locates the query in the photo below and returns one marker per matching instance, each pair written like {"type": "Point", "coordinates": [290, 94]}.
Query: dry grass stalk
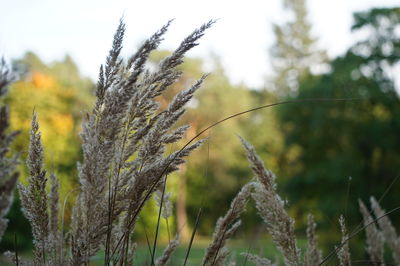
{"type": "Point", "coordinates": [388, 230]}
{"type": "Point", "coordinates": [8, 175]}
{"type": "Point", "coordinates": [312, 257]}
{"type": "Point", "coordinates": [272, 208]}
{"type": "Point", "coordinates": [124, 141]}
{"type": "Point", "coordinates": [167, 208]}
{"type": "Point", "coordinates": [375, 240]}
{"type": "Point", "coordinates": [344, 252]}
{"type": "Point", "coordinates": [39, 207]}
{"type": "Point", "coordinates": [257, 260]}
{"type": "Point", "coordinates": [34, 199]}
{"type": "Point", "coordinates": [226, 226]}
{"type": "Point", "coordinates": [166, 256]}
{"type": "Point", "coordinates": [220, 260]}
{"type": "Point", "coordinates": [17, 261]}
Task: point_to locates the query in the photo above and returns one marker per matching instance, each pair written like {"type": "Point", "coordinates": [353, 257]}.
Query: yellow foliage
{"type": "Point", "coordinates": [381, 112]}
{"type": "Point", "coordinates": [42, 81]}
{"type": "Point", "coordinates": [53, 102]}
{"type": "Point", "coordinates": [63, 123]}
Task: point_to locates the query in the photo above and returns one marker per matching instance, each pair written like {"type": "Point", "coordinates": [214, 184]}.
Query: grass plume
{"type": "Point", "coordinates": [124, 139]}
{"type": "Point", "coordinates": [8, 175]}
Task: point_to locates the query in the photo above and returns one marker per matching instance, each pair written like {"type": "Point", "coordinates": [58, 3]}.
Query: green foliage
{"type": "Point", "coordinates": [357, 138]}
{"type": "Point", "coordinates": [218, 171]}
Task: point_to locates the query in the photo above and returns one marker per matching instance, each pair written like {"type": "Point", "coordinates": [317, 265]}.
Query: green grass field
{"type": "Point", "coordinates": [264, 248]}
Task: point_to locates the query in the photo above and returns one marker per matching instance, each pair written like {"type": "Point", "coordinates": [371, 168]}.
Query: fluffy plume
{"type": "Point", "coordinates": [55, 235]}
{"type": "Point", "coordinates": [257, 260]}
{"type": "Point", "coordinates": [272, 208]}
{"type": "Point", "coordinates": [6, 77]}
{"type": "Point", "coordinates": [375, 239]}
{"type": "Point", "coordinates": [222, 256]}
{"type": "Point", "coordinates": [11, 256]}
{"type": "Point", "coordinates": [6, 198]}
{"type": "Point", "coordinates": [313, 254]}
{"type": "Point", "coordinates": [166, 203]}
{"type": "Point", "coordinates": [39, 207]}
{"type": "Point", "coordinates": [226, 226]}
{"type": "Point", "coordinates": [8, 175]}
{"type": "Point", "coordinates": [172, 246]}
{"type": "Point", "coordinates": [344, 252]}
{"type": "Point", "coordinates": [387, 229]}
{"type": "Point", "coordinates": [34, 196]}
{"type": "Point", "coordinates": [124, 140]}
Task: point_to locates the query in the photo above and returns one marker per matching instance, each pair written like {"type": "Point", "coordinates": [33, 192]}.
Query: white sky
{"type": "Point", "coordinates": [241, 37]}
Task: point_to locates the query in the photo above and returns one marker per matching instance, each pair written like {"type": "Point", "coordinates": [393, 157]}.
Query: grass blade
{"type": "Point", "coordinates": [192, 236]}
{"type": "Point", "coordinates": [158, 221]}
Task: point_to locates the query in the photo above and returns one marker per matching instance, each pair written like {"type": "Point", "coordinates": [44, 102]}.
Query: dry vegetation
{"type": "Point", "coordinates": [125, 163]}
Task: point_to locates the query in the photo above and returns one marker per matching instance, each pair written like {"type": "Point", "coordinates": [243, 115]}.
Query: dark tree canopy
{"type": "Point", "coordinates": [358, 138]}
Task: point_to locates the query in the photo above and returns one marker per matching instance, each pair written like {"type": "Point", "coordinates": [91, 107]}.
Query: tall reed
{"type": "Point", "coordinates": [124, 141]}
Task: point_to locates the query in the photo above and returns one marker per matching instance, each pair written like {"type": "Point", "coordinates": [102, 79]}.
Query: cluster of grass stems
{"type": "Point", "coordinates": [125, 163]}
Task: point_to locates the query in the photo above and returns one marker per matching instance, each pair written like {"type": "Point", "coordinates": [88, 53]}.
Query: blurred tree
{"type": "Point", "coordinates": [295, 52]}
{"type": "Point", "coordinates": [263, 129]}
{"type": "Point", "coordinates": [294, 56]}
{"type": "Point", "coordinates": [218, 173]}
{"type": "Point", "coordinates": [58, 93]}
{"type": "Point", "coordinates": [359, 139]}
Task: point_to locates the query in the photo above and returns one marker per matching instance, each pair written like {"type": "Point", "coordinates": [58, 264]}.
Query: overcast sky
{"type": "Point", "coordinates": [241, 37]}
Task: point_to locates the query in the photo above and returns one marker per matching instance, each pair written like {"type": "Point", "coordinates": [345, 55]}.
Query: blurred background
{"type": "Point", "coordinates": [326, 155]}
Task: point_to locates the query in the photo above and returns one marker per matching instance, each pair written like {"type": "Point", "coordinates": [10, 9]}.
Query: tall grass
{"type": "Point", "coordinates": [125, 163]}
{"type": "Point", "coordinates": [8, 175]}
